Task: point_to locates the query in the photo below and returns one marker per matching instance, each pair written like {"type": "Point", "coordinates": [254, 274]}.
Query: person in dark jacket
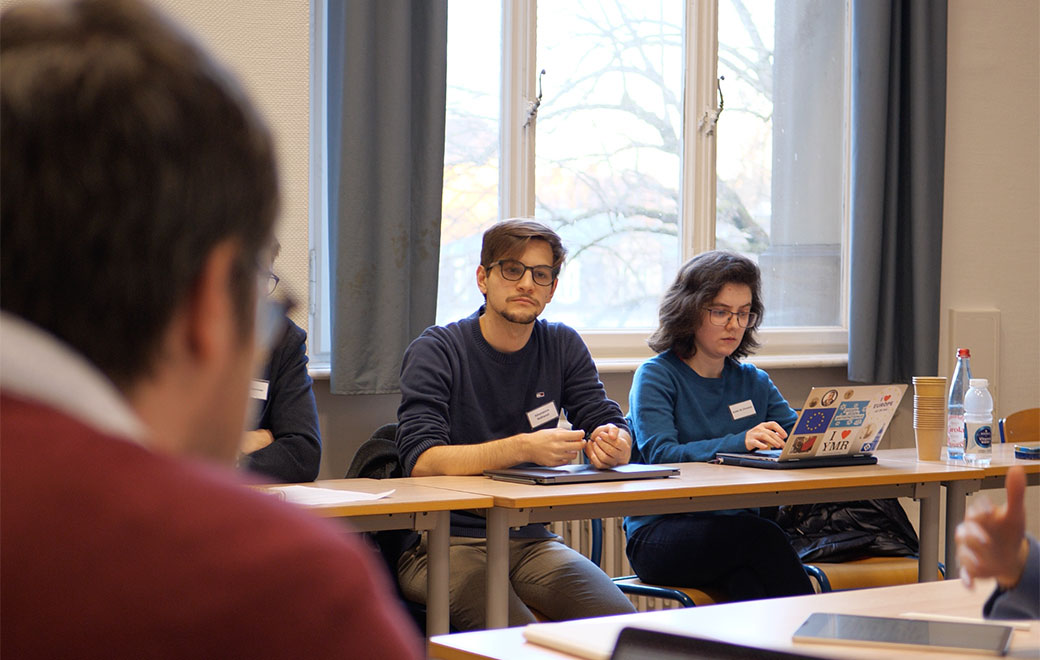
{"type": "Point", "coordinates": [992, 543]}
{"type": "Point", "coordinates": [286, 445]}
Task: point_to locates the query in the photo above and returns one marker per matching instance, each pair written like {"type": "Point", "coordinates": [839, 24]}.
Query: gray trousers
{"type": "Point", "coordinates": [544, 575]}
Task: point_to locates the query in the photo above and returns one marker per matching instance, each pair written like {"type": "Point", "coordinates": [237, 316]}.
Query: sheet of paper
{"type": "Point", "coordinates": [314, 495]}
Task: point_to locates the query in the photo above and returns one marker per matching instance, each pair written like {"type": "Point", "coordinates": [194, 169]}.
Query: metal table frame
{"type": "Point", "coordinates": [500, 519]}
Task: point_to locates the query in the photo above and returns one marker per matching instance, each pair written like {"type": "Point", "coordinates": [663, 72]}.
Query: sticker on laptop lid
{"type": "Point", "coordinates": [803, 444]}
{"type": "Point", "coordinates": [814, 421]}
{"type": "Point", "coordinates": [850, 413]}
{"type": "Point", "coordinates": [837, 443]}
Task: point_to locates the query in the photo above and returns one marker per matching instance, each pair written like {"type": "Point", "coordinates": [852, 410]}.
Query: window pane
{"type": "Point", "coordinates": [470, 200]}
{"type": "Point", "coordinates": [608, 154]}
{"type": "Point", "coordinates": [780, 151]}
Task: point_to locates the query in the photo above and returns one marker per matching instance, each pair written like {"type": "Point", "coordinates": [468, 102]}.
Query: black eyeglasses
{"type": "Point", "coordinates": [513, 271]}
{"type": "Point", "coordinates": [722, 317]}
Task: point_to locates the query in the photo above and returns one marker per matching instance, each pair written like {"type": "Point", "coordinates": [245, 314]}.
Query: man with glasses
{"type": "Point", "coordinates": [486, 392]}
{"type": "Point", "coordinates": [138, 191]}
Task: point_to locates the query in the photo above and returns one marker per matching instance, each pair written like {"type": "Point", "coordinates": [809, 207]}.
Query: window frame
{"type": "Point", "coordinates": [611, 349]}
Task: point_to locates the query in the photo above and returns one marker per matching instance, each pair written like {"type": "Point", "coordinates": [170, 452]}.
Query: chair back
{"type": "Point", "coordinates": [378, 458]}
{"type": "Point", "coordinates": [1022, 426]}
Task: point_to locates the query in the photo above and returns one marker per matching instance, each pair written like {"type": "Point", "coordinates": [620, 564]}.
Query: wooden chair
{"type": "Point", "coordinates": [864, 573]}
{"type": "Point", "coordinates": [1022, 426]}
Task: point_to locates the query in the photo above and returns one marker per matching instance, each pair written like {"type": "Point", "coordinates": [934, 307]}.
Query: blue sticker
{"type": "Point", "coordinates": [850, 413]}
{"type": "Point", "coordinates": [814, 421]}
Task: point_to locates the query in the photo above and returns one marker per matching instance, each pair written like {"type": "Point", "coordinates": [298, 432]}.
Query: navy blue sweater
{"type": "Point", "coordinates": [456, 389]}
{"type": "Point", "coordinates": [291, 415]}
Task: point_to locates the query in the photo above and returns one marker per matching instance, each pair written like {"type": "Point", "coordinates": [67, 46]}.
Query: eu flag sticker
{"type": "Point", "coordinates": [814, 421]}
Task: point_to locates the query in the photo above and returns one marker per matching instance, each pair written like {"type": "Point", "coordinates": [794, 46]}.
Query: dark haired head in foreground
{"type": "Point", "coordinates": [138, 191]}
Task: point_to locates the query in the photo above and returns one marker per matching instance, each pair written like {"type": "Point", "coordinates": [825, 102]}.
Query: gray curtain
{"type": "Point", "coordinates": [387, 62]}
{"type": "Point", "coordinates": [898, 146]}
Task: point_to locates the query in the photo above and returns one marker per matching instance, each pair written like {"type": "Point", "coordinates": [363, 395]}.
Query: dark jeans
{"type": "Point", "coordinates": [743, 555]}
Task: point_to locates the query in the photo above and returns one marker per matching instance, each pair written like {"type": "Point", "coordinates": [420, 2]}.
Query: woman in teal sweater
{"type": "Point", "coordinates": [695, 399]}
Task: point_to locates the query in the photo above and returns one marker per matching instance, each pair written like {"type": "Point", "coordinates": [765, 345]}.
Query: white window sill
{"type": "Point", "coordinates": [765, 362]}
{"type": "Point", "coordinates": [321, 371]}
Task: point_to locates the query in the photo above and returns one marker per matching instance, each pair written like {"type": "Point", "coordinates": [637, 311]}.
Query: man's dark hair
{"type": "Point", "coordinates": [508, 240]}
{"type": "Point", "coordinates": [695, 287]}
{"type": "Point", "coordinates": [126, 156]}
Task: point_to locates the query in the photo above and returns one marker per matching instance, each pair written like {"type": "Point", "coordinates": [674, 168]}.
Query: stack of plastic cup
{"type": "Point", "coordinates": [929, 416]}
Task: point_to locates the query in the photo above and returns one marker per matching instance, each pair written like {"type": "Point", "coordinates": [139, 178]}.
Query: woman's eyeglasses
{"type": "Point", "coordinates": [722, 317]}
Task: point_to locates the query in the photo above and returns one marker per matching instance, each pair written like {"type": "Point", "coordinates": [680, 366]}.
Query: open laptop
{"type": "Point", "coordinates": [573, 474]}
{"type": "Point", "coordinates": [836, 426]}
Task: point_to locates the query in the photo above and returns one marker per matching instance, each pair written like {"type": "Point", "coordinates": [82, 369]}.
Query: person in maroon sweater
{"type": "Point", "coordinates": [138, 190]}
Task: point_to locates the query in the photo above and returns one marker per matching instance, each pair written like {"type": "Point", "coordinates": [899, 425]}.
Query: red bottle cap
{"type": "Point", "coordinates": [963, 352]}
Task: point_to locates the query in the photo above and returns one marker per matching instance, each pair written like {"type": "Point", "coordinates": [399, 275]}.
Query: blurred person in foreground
{"type": "Point", "coordinates": [138, 190]}
{"type": "Point", "coordinates": [992, 543]}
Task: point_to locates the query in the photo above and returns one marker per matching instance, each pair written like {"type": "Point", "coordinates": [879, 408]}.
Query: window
{"type": "Point", "coordinates": [625, 159]}
{"type": "Point", "coordinates": [625, 148]}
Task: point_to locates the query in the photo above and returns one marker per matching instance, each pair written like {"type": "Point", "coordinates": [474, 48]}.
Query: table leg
{"type": "Point", "coordinates": [438, 549]}
{"type": "Point", "coordinates": [927, 564]}
{"type": "Point", "coordinates": [956, 503]}
{"type": "Point", "coordinates": [498, 568]}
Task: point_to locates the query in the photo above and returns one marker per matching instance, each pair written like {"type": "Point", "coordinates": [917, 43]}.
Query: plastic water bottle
{"type": "Point", "coordinates": [978, 423]}
{"type": "Point", "coordinates": [955, 406]}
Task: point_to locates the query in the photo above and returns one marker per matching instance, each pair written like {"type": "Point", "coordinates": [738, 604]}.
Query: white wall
{"type": "Point", "coordinates": [991, 219]}
{"type": "Point", "coordinates": [266, 43]}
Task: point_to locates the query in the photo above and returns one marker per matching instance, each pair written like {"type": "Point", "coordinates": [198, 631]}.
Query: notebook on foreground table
{"type": "Point", "coordinates": [836, 426]}
{"type": "Point", "coordinates": [573, 474]}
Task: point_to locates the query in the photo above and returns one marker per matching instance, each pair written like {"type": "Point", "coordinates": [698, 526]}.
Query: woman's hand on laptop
{"type": "Point", "coordinates": [609, 446]}
{"type": "Point", "coordinates": [767, 435]}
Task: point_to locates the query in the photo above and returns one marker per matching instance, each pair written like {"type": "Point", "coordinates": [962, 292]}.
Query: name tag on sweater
{"type": "Point", "coordinates": [543, 414]}
{"type": "Point", "coordinates": [258, 389]}
{"type": "Point", "coordinates": [742, 409]}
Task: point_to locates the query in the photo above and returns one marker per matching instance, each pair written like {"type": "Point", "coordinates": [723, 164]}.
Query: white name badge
{"type": "Point", "coordinates": [742, 409]}
{"type": "Point", "coordinates": [258, 389]}
{"type": "Point", "coordinates": [543, 414]}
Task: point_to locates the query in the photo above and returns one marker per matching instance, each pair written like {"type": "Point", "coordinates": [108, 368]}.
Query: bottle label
{"type": "Point", "coordinates": [983, 437]}
{"type": "Point", "coordinates": [955, 431]}
{"type": "Point", "coordinates": [978, 436]}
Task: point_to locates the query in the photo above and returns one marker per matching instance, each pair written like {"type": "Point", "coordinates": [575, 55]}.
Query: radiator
{"type": "Point", "coordinates": [578, 535]}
